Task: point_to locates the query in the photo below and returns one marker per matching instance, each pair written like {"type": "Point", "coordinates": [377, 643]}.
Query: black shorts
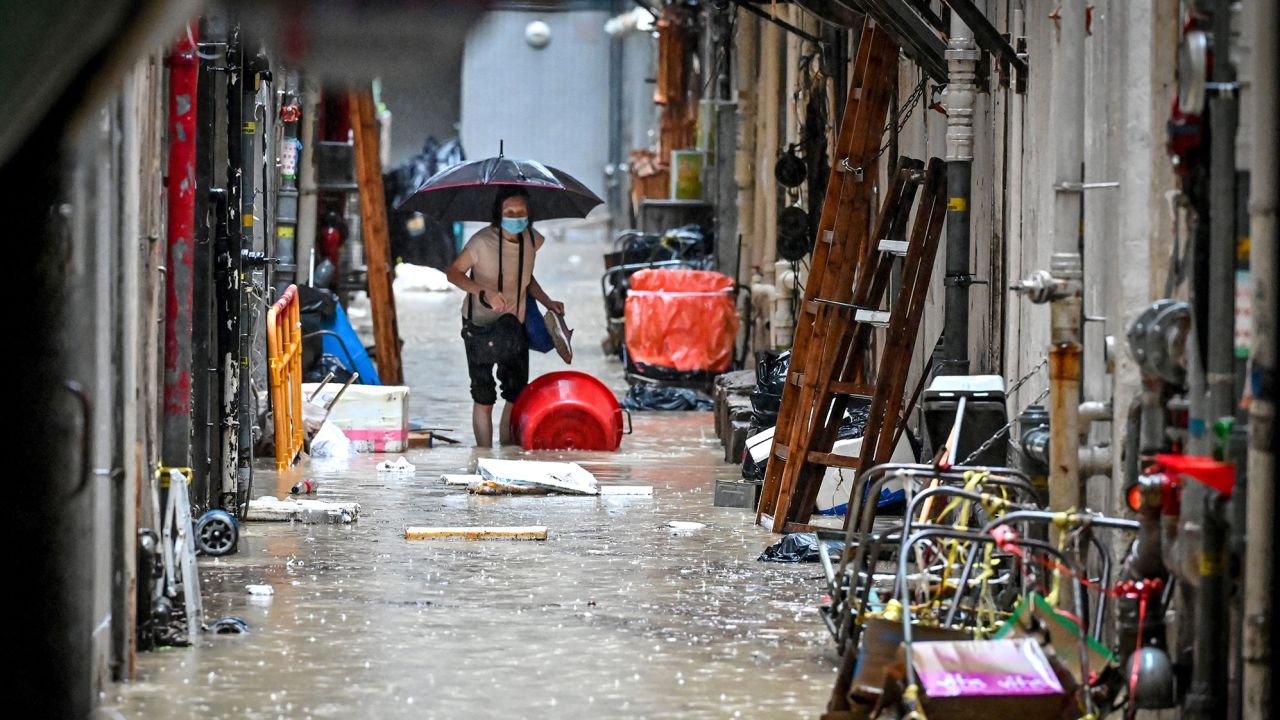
{"type": "Point", "coordinates": [512, 373]}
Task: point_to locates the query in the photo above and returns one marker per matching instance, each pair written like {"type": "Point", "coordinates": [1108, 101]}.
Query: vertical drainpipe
{"type": "Point", "coordinates": [240, 410]}
{"type": "Point", "coordinates": [203, 376]}
{"type": "Point", "coordinates": [239, 217]}
{"type": "Point", "coordinates": [1264, 199]}
{"type": "Point", "coordinates": [1207, 696]}
{"type": "Point", "coordinates": [181, 191]}
{"type": "Point", "coordinates": [1065, 488]}
{"type": "Point", "coordinates": [308, 194]}
{"type": "Point", "coordinates": [613, 170]}
{"type": "Point", "coordinates": [286, 269]}
{"type": "Point", "coordinates": [1060, 286]}
{"type": "Point", "coordinates": [959, 99]}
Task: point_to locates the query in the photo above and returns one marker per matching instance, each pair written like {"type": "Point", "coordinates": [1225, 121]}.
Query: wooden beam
{"type": "Point", "coordinates": [526, 532]}
{"type": "Point", "coordinates": [377, 242]}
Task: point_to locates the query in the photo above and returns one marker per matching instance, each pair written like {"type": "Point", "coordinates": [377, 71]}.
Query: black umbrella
{"type": "Point", "coordinates": [467, 191]}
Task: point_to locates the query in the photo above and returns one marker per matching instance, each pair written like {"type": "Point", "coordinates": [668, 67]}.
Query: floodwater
{"type": "Point", "coordinates": [615, 615]}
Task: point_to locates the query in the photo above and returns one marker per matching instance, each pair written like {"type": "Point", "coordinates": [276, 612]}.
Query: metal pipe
{"type": "Point", "coordinates": [744, 160]}
{"type": "Point", "coordinates": [307, 192]}
{"type": "Point", "coordinates": [204, 376]}
{"type": "Point", "coordinates": [1223, 111]}
{"type": "Point", "coordinates": [1264, 198]}
{"type": "Point", "coordinates": [1065, 486]}
{"type": "Point", "coordinates": [771, 107]}
{"type": "Point", "coordinates": [255, 68]}
{"type": "Point", "coordinates": [614, 163]}
{"type": "Point", "coordinates": [239, 200]}
{"type": "Point", "coordinates": [286, 269]}
{"type": "Point", "coordinates": [1207, 696]}
{"type": "Point", "coordinates": [181, 190]}
{"type": "Point", "coordinates": [958, 98]}
{"type": "Point", "coordinates": [1092, 411]}
{"type": "Point", "coordinates": [1133, 439]}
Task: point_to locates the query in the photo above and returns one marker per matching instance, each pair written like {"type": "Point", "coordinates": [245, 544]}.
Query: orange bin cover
{"type": "Point", "coordinates": [681, 319]}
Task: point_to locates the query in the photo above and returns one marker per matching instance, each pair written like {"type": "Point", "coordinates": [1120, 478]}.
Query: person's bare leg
{"type": "Point", "coordinates": [482, 424]}
{"type": "Point", "coordinates": [504, 429]}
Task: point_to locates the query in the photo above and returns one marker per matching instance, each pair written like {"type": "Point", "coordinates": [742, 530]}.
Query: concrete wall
{"type": "Point", "coordinates": [550, 104]}
{"type": "Point", "coordinates": [1127, 230]}
{"type": "Point", "coordinates": [115, 244]}
{"type": "Point", "coordinates": [427, 104]}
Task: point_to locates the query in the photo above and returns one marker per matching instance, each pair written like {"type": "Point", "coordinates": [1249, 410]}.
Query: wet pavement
{"type": "Point", "coordinates": [615, 615]}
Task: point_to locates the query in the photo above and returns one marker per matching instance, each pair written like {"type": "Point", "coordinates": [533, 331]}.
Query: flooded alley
{"type": "Point", "coordinates": [615, 615]}
{"type": "Point", "coordinates": [653, 359]}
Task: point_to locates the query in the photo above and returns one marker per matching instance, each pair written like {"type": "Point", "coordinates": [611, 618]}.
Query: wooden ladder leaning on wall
{"type": "Point", "coordinates": [846, 289]}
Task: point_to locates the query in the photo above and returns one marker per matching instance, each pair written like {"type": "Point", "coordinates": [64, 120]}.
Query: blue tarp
{"type": "Point", "coordinates": [342, 327]}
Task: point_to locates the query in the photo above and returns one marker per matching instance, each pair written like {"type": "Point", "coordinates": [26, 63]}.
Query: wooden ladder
{"type": "Point", "coordinates": [843, 301]}
{"type": "Point", "coordinates": [377, 241]}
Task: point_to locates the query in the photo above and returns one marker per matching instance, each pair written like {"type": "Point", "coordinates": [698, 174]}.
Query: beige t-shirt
{"type": "Point", "coordinates": [482, 251]}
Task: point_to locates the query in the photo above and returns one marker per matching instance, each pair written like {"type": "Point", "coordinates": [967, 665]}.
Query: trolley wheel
{"type": "Point", "coordinates": [217, 533]}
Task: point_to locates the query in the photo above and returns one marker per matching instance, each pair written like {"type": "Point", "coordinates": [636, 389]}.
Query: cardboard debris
{"type": "Point", "coordinates": [496, 487]}
{"type": "Point", "coordinates": [561, 477]}
{"type": "Point", "coordinates": [527, 532]}
{"type": "Point", "coordinates": [492, 487]}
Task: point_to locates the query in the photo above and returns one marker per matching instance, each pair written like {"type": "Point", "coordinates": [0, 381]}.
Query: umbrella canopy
{"type": "Point", "coordinates": [468, 190]}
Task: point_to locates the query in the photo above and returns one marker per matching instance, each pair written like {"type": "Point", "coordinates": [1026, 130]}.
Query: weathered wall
{"type": "Point", "coordinates": [1127, 230]}
{"type": "Point", "coordinates": [550, 104]}
{"type": "Point", "coordinates": [115, 222]}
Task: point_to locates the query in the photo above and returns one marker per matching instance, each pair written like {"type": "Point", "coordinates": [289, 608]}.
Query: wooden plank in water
{"type": "Point", "coordinates": [519, 532]}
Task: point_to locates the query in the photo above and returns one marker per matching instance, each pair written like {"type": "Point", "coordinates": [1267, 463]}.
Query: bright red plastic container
{"type": "Point", "coordinates": [567, 410]}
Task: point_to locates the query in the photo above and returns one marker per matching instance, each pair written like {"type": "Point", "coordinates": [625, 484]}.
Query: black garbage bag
{"type": "Point", "coordinates": [752, 470]}
{"type": "Point", "coordinates": [771, 371]}
{"type": "Point", "coordinates": [326, 364]}
{"type": "Point", "coordinates": [771, 378]}
{"type": "Point", "coordinates": [316, 301]}
{"type": "Point", "coordinates": [855, 419]}
{"type": "Point", "coordinates": [799, 547]}
{"type": "Point", "coordinates": [645, 396]}
{"type": "Point", "coordinates": [315, 308]}
{"type": "Point", "coordinates": [312, 344]}
{"type": "Point", "coordinates": [415, 238]}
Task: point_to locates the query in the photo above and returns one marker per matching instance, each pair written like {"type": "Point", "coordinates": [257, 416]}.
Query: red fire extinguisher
{"type": "Point", "coordinates": [332, 232]}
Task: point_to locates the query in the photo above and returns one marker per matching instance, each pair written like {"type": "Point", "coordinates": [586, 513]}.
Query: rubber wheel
{"type": "Point", "coordinates": [217, 533]}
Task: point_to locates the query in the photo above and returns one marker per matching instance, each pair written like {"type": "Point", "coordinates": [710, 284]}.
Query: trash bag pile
{"type": "Point", "coordinates": [646, 396]}
{"type": "Point", "coordinates": [415, 238]}
{"type": "Point", "coordinates": [766, 400]}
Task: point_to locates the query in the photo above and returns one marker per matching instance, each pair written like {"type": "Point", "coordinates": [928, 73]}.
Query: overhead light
{"type": "Point", "coordinates": [537, 34]}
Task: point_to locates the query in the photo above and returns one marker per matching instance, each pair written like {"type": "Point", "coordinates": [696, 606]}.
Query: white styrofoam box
{"type": "Point", "coordinates": [837, 483]}
{"type": "Point", "coordinates": [374, 417]}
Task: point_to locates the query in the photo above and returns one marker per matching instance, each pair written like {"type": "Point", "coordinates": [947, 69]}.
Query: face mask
{"type": "Point", "coordinates": [515, 225]}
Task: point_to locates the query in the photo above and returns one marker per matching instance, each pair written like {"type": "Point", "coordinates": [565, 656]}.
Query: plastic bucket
{"type": "Point", "coordinates": [567, 410]}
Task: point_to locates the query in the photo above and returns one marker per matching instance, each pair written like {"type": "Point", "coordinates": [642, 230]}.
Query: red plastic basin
{"type": "Point", "coordinates": [567, 410]}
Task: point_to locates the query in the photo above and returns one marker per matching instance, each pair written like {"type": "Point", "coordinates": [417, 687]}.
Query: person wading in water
{"type": "Point", "coordinates": [495, 269]}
